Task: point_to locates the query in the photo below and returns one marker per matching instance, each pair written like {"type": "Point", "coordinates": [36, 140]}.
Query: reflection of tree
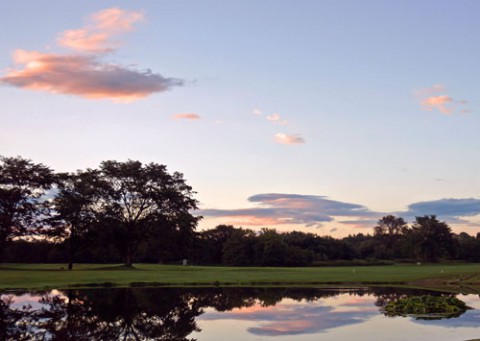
{"type": "Point", "coordinates": [66, 317]}
{"type": "Point", "coordinates": [224, 299]}
{"type": "Point", "coordinates": [14, 323]}
{"type": "Point", "coordinates": [137, 314]}
{"type": "Point", "coordinates": [117, 314]}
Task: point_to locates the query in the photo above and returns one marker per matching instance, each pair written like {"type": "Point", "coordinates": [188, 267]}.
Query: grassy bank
{"type": "Point", "coordinates": [39, 276]}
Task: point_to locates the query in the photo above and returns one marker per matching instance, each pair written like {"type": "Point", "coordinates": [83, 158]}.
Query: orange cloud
{"type": "Point", "coordinates": [240, 220]}
{"type": "Point", "coordinates": [438, 102]}
{"type": "Point", "coordinates": [191, 117]}
{"type": "Point", "coordinates": [83, 73]}
{"type": "Point", "coordinates": [97, 35]}
{"type": "Point", "coordinates": [83, 76]}
{"type": "Point", "coordinates": [289, 139]}
{"type": "Point", "coordinates": [436, 98]}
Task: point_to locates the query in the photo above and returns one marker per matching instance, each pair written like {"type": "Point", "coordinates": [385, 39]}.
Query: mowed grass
{"type": "Point", "coordinates": [40, 276]}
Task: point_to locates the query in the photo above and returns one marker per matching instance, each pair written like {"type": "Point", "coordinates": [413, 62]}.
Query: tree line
{"type": "Point", "coordinates": [393, 240]}
{"type": "Point", "coordinates": [119, 205]}
{"type": "Point", "coordinates": [133, 212]}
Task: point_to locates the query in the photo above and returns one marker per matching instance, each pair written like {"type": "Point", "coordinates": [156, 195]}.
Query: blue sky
{"type": "Point", "coordinates": [312, 115]}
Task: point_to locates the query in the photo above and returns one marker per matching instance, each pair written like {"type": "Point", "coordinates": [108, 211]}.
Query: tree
{"type": "Point", "coordinates": [389, 231]}
{"type": "Point", "coordinates": [138, 198]}
{"type": "Point", "coordinates": [23, 205]}
{"type": "Point", "coordinates": [209, 244]}
{"type": "Point", "coordinates": [390, 226]}
{"type": "Point", "coordinates": [74, 206]}
{"type": "Point", "coordinates": [433, 238]}
{"type": "Point", "coordinates": [271, 249]}
{"type": "Point", "coordinates": [238, 250]}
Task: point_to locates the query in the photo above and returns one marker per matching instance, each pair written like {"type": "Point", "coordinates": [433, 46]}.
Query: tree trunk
{"type": "Point", "coordinates": [3, 244]}
{"type": "Point", "coordinates": [70, 251]}
{"type": "Point", "coordinates": [129, 256]}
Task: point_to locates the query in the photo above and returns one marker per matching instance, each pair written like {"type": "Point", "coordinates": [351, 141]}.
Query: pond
{"type": "Point", "coordinates": [238, 314]}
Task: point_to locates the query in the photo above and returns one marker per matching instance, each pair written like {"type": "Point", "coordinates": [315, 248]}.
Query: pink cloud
{"type": "Point", "coordinates": [439, 103]}
{"type": "Point", "coordinates": [289, 139]}
{"type": "Point", "coordinates": [436, 98]}
{"type": "Point", "coordinates": [190, 116]}
{"type": "Point", "coordinates": [251, 220]}
{"type": "Point", "coordinates": [83, 72]}
{"type": "Point", "coordinates": [102, 27]}
{"type": "Point", "coordinates": [84, 76]}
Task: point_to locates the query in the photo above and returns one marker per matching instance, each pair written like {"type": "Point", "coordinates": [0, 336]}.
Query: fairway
{"type": "Point", "coordinates": [40, 276]}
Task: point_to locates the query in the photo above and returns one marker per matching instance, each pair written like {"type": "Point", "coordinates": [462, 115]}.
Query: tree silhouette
{"type": "Point", "coordinates": [23, 185]}
{"type": "Point", "coordinates": [137, 198]}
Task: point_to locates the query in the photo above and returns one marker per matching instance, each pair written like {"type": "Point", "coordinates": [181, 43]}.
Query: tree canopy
{"type": "Point", "coordinates": [23, 205]}
{"type": "Point", "coordinates": [137, 199]}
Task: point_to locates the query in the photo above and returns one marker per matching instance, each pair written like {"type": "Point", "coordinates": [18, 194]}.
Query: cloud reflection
{"type": "Point", "coordinates": [299, 318]}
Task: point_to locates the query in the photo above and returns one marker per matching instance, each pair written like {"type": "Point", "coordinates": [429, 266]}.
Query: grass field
{"type": "Point", "coordinates": [40, 276]}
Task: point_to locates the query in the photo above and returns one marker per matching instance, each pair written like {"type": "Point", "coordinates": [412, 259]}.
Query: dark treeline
{"type": "Point", "coordinates": [129, 212]}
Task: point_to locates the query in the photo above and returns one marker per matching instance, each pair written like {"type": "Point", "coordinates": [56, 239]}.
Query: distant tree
{"type": "Point", "coordinates": [389, 231]}
{"type": "Point", "coordinates": [372, 249]}
{"type": "Point", "coordinates": [137, 198]}
{"type": "Point", "coordinates": [23, 206]}
{"type": "Point", "coordinates": [209, 243]}
{"type": "Point", "coordinates": [238, 250]}
{"type": "Point", "coordinates": [390, 226]}
{"type": "Point", "coordinates": [271, 248]}
{"type": "Point", "coordinates": [74, 208]}
{"type": "Point", "coordinates": [433, 239]}
{"type": "Point", "coordinates": [467, 247]}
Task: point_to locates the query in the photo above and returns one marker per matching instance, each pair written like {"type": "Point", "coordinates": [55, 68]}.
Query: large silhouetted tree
{"type": "Point", "coordinates": [23, 185]}
{"type": "Point", "coordinates": [433, 238]}
{"type": "Point", "coordinates": [137, 198]}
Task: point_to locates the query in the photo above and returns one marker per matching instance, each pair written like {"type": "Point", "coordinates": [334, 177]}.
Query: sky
{"type": "Point", "coordinates": [319, 116]}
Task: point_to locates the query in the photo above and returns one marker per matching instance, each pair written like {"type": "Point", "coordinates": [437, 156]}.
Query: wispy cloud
{"type": "Point", "coordinates": [281, 138]}
{"type": "Point", "coordinates": [435, 98]}
{"type": "Point", "coordinates": [102, 27]}
{"type": "Point", "coordinates": [83, 72]}
{"type": "Point", "coordinates": [440, 103]}
{"type": "Point", "coordinates": [189, 116]}
{"type": "Point", "coordinates": [276, 119]}
{"type": "Point", "coordinates": [289, 139]}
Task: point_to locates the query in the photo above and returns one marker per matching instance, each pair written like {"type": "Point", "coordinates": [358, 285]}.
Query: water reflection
{"type": "Point", "coordinates": [177, 314]}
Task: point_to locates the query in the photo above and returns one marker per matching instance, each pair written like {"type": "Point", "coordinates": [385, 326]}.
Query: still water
{"type": "Point", "coordinates": [237, 314]}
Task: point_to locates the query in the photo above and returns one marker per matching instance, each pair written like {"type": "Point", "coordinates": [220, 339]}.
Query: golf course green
{"type": "Point", "coordinates": [43, 276]}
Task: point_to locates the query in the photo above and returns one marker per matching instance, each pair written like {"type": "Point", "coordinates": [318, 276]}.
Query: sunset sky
{"type": "Point", "coordinates": [319, 116]}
